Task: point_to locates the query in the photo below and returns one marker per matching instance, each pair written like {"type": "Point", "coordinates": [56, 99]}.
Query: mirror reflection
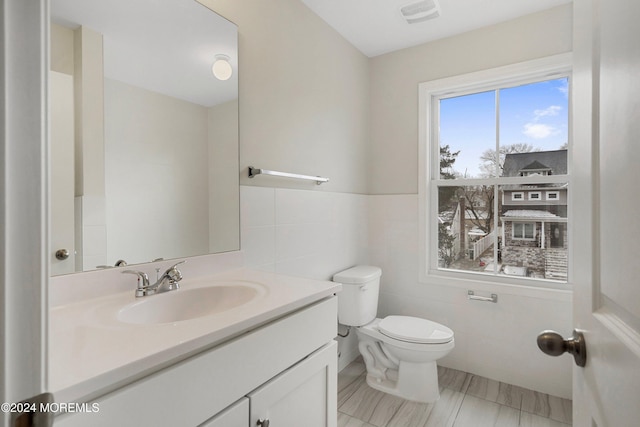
{"type": "Point", "coordinates": [144, 136]}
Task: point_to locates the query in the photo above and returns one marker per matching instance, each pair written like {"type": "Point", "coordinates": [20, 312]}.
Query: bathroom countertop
{"type": "Point", "coordinates": [91, 352]}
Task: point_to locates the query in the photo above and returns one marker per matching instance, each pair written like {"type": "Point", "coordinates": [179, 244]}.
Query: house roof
{"type": "Point", "coordinates": [534, 187]}
{"type": "Point", "coordinates": [535, 160]}
{"type": "Point", "coordinates": [529, 213]}
{"type": "Point", "coordinates": [535, 166]}
{"type": "Point", "coordinates": [481, 214]}
{"type": "Point", "coordinates": [523, 215]}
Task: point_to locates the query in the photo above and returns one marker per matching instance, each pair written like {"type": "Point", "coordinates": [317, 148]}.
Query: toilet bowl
{"type": "Point", "coordinates": [405, 367]}
{"type": "Point", "coordinates": [399, 352]}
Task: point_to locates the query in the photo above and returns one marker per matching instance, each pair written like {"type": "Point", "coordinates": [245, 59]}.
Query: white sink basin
{"type": "Point", "coordinates": [189, 303]}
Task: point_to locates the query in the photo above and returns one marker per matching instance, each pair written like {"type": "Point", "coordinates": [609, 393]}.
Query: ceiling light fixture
{"type": "Point", "coordinates": [222, 68]}
{"type": "Point", "coordinates": [420, 11]}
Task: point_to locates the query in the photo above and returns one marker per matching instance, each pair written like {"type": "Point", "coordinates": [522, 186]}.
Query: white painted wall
{"type": "Point", "coordinates": [304, 96]}
{"type": "Point", "coordinates": [156, 155]}
{"type": "Point", "coordinates": [395, 78]}
{"type": "Point", "coordinates": [224, 221]}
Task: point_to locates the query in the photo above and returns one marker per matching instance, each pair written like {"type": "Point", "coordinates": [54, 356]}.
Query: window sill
{"type": "Point", "coordinates": [511, 285]}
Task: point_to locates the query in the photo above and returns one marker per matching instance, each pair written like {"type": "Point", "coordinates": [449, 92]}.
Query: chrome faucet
{"type": "Point", "coordinates": [119, 263]}
{"type": "Point", "coordinates": [168, 281]}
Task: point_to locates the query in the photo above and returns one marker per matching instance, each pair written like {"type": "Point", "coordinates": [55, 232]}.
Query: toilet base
{"type": "Point", "coordinates": [417, 382]}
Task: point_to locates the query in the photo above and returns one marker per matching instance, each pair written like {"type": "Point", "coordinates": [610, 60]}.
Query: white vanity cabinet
{"type": "Point", "coordinates": [236, 415]}
{"type": "Point", "coordinates": [284, 371]}
{"type": "Point", "coordinates": [304, 395]}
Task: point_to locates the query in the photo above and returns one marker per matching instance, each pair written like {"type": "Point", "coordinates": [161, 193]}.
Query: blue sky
{"type": "Point", "coordinates": [535, 114]}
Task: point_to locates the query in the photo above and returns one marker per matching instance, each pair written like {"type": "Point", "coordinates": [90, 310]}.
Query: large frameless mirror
{"type": "Point", "coordinates": [144, 136]}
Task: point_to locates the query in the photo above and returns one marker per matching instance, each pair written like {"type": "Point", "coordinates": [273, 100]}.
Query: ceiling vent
{"type": "Point", "coordinates": [420, 11]}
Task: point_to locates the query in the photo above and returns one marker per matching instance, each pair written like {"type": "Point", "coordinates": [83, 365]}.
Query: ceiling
{"type": "Point", "coordinates": [376, 27]}
{"type": "Point", "coordinates": [168, 49]}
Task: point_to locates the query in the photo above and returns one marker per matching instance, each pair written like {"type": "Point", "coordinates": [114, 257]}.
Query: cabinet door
{"type": "Point", "coordinates": [303, 395]}
{"type": "Point", "coordinates": [236, 415]}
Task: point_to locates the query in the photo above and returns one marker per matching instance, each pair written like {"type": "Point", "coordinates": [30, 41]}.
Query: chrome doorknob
{"type": "Point", "coordinates": [62, 254]}
{"type": "Point", "coordinates": [552, 343]}
{"type": "Point", "coordinates": [263, 423]}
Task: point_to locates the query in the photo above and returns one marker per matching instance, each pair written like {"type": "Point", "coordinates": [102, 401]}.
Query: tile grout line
{"type": "Point", "coordinates": [464, 396]}
{"type": "Point", "coordinates": [394, 414]}
{"type": "Point", "coordinates": [352, 392]}
{"type": "Point", "coordinates": [463, 390]}
{"type": "Point", "coordinates": [520, 411]}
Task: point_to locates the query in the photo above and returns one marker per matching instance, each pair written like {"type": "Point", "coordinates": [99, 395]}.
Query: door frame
{"type": "Point", "coordinates": [582, 186]}
{"type": "Point", "coordinates": [24, 269]}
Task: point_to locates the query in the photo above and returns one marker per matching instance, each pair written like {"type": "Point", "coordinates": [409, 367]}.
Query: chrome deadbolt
{"type": "Point", "coordinates": [552, 343]}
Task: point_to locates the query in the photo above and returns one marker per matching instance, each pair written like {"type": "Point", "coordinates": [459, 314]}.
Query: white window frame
{"type": "Point", "coordinates": [516, 199]}
{"type": "Point", "coordinates": [549, 68]}
{"type": "Point", "coordinates": [531, 193]}
{"type": "Point", "coordinates": [549, 193]}
{"type": "Point", "coordinates": [524, 229]}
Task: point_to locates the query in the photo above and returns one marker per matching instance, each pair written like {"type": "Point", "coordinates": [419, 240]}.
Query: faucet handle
{"type": "Point", "coordinates": [176, 264]}
{"type": "Point", "coordinates": [173, 273]}
{"type": "Point", "coordinates": [141, 277]}
{"type": "Point", "coordinates": [173, 270]}
{"type": "Point", "coordinates": [143, 288]}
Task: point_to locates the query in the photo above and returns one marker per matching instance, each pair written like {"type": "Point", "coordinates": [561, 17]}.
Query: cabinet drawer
{"type": "Point", "coordinates": [236, 415]}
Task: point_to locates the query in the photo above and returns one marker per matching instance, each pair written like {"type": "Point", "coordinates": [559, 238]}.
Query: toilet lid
{"type": "Point", "coordinates": [414, 329]}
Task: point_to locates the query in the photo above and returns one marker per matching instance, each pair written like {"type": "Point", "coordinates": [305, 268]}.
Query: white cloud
{"type": "Point", "coordinates": [564, 88]}
{"type": "Point", "coordinates": [553, 110]}
{"type": "Point", "coordinates": [538, 130]}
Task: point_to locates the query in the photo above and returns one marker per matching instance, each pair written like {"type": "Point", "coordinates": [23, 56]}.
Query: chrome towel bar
{"type": "Point", "coordinates": [473, 296]}
{"type": "Point", "coordinates": [255, 171]}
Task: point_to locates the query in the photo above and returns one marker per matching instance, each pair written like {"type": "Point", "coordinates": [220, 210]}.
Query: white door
{"type": "Point", "coordinates": [606, 99]}
{"type": "Point", "coordinates": [23, 204]}
{"type": "Point", "coordinates": [62, 174]}
{"type": "Point", "coordinates": [304, 395]}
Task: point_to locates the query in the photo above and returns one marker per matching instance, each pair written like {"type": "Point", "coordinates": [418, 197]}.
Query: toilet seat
{"type": "Point", "coordinates": [415, 330]}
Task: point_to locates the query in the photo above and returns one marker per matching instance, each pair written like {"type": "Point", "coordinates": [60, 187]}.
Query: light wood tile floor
{"type": "Point", "coordinates": [466, 400]}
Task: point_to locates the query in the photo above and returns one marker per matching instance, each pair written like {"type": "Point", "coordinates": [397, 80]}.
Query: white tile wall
{"type": "Point", "coordinates": [497, 341]}
{"type": "Point", "coordinates": [316, 234]}
{"type": "Point", "coordinates": [302, 233]}
{"type": "Point", "coordinates": [313, 234]}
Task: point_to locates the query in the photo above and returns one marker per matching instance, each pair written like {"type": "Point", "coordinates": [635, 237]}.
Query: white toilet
{"type": "Point", "coordinates": [400, 352]}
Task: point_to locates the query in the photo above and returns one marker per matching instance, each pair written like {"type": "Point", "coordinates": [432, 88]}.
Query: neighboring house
{"type": "Point", "coordinates": [466, 231]}
{"type": "Point", "coordinates": [534, 216]}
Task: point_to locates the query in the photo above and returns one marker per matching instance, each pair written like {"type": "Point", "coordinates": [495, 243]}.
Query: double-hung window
{"type": "Point", "coordinates": [523, 230]}
{"type": "Point", "coordinates": [492, 144]}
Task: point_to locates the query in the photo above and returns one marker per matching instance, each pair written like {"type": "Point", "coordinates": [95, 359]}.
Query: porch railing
{"type": "Point", "coordinates": [482, 245]}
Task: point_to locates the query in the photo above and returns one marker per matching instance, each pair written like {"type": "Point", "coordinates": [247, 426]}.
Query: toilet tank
{"type": "Point", "coordinates": [358, 301]}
